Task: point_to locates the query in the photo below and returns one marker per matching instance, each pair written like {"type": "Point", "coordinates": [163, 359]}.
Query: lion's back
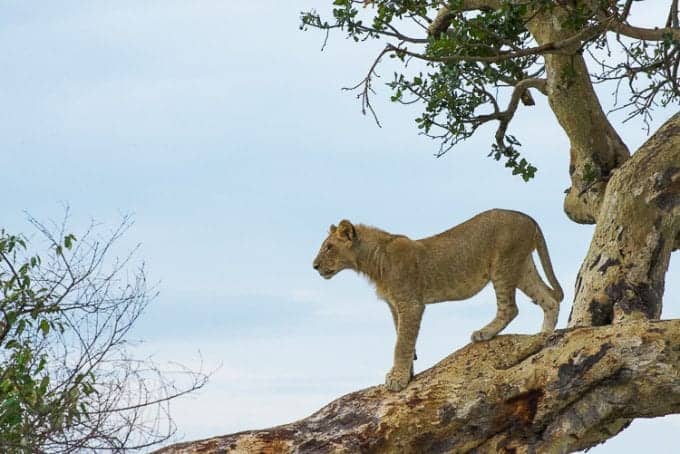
{"type": "Point", "coordinates": [487, 230]}
{"type": "Point", "coordinates": [461, 260]}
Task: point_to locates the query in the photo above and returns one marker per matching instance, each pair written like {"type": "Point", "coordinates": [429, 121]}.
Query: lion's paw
{"type": "Point", "coordinates": [395, 381]}
{"type": "Point", "coordinates": [481, 335]}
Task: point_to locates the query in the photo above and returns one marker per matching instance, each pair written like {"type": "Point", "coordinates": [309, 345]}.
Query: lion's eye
{"type": "Point", "coordinates": [329, 247]}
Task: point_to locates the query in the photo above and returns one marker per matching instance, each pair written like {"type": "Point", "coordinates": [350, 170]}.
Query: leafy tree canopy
{"type": "Point", "coordinates": [481, 57]}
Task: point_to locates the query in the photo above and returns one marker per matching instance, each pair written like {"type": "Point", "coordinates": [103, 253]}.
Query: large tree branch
{"type": "Point", "coordinates": [596, 148]}
{"type": "Point", "coordinates": [625, 269]}
{"type": "Point", "coordinates": [647, 34]}
{"type": "Point", "coordinates": [671, 30]}
{"type": "Point", "coordinates": [545, 393]}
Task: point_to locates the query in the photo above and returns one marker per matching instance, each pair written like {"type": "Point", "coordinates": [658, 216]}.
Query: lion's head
{"type": "Point", "coordinates": [337, 251]}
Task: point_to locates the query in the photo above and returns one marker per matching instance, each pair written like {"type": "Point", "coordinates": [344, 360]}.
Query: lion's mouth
{"type": "Point", "coordinates": [327, 274]}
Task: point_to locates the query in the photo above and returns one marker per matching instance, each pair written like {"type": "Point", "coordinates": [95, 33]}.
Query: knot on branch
{"type": "Point", "coordinates": [582, 205]}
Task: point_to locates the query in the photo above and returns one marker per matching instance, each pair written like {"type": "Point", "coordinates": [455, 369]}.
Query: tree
{"type": "Point", "coordinates": [473, 62]}
{"type": "Point", "coordinates": [67, 381]}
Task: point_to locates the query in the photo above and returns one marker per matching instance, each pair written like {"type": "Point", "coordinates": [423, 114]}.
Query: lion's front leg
{"type": "Point", "coordinates": [395, 319]}
{"type": "Point", "coordinates": [408, 324]}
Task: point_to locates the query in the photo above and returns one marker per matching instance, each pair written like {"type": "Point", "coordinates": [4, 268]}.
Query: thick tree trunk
{"type": "Point", "coordinates": [639, 222]}
{"type": "Point", "coordinates": [548, 393]}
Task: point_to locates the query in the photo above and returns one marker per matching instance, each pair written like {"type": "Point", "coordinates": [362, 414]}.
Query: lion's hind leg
{"type": "Point", "coordinates": [506, 309]}
{"type": "Point", "coordinates": [533, 286]}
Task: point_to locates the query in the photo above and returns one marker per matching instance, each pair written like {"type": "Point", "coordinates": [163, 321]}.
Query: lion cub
{"type": "Point", "coordinates": [494, 246]}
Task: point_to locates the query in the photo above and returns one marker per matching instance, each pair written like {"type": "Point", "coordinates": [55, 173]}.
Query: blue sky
{"type": "Point", "coordinates": [223, 129]}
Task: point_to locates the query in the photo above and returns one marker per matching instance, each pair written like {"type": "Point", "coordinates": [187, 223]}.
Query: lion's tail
{"type": "Point", "coordinates": [542, 250]}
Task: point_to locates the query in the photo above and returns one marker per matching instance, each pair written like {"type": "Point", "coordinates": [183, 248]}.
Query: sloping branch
{"type": "Point", "coordinates": [555, 392]}
{"type": "Point", "coordinates": [647, 34]}
{"type": "Point", "coordinates": [596, 148]}
{"type": "Point", "coordinates": [520, 92]}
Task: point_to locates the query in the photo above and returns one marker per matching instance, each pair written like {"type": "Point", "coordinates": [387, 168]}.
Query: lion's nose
{"type": "Point", "coordinates": [316, 265]}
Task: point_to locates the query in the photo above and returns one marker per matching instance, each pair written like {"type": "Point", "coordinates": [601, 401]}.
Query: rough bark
{"type": "Point", "coordinates": [545, 393]}
{"type": "Point", "coordinates": [595, 147]}
{"type": "Point", "coordinates": [624, 271]}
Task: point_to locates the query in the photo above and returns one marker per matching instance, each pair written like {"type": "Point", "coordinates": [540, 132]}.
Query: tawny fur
{"type": "Point", "coordinates": [494, 246]}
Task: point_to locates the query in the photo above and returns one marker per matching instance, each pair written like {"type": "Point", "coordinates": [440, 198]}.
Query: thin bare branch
{"type": "Point", "coordinates": [366, 84]}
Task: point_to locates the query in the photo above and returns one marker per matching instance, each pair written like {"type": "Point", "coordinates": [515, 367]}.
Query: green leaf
{"type": "Point", "coordinates": [44, 327]}
{"type": "Point", "coordinates": [44, 383]}
{"type": "Point", "coordinates": [68, 241]}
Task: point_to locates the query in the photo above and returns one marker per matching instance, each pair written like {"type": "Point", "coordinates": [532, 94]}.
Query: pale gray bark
{"type": "Point", "coordinates": [548, 393]}
{"type": "Point", "coordinates": [624, 271]}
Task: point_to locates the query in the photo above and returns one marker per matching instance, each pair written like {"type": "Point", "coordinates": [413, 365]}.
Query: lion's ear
{"type": "Point", "coordinates": [346, 230]}
{"type": "Point", "coordinates": [332, 229]}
